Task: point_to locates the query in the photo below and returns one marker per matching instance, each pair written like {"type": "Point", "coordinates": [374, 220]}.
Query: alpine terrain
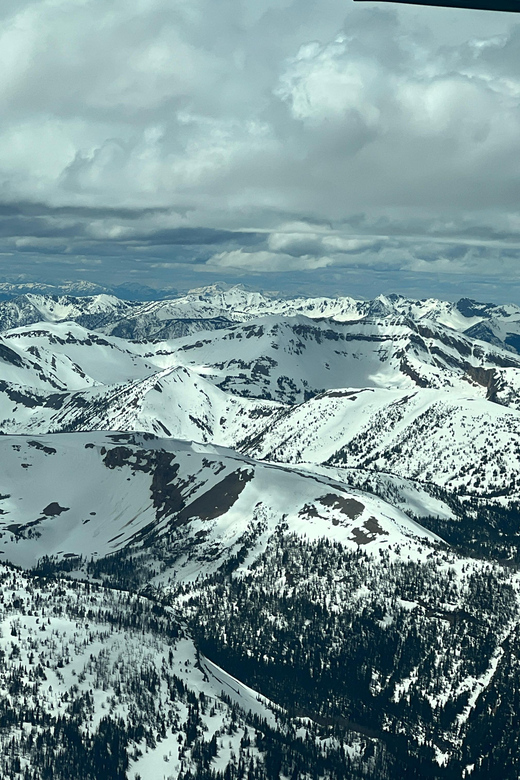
{"type": "Point", "coordinates": [244, 537]}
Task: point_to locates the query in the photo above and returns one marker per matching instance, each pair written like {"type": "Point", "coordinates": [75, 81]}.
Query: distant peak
{"type": "Point", "coordinates": [471, 308]}
{"type": "Point", "coordinates": [222, 287]}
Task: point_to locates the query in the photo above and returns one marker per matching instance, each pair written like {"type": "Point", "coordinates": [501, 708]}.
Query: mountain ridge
{"type": "Point", "coordinates": [251, 537]}
{"type": "Point", "coordinates": [144, 319]}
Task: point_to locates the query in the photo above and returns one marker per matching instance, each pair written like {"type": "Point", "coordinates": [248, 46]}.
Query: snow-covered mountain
{"type": "Point", "coordinates": [195, 505]}
{"type": "Point", "coordinates": [273, 538]}
{"type": "Point", "coordinates": [456, 440]}
{"type": "Point", "coordinates": [130, 291]}
{"type": "Point", "coordinates": [361, 393]}
{"type": "Point", "coordinates": [216, 306]}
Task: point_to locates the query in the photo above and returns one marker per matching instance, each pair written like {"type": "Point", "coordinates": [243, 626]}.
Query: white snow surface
{"type": "Point", "coordinates": [106, 498]}
{"type": "Point", "coordinates": [195, 452]}
{"type": "Point", "coordinates": [394, 391]}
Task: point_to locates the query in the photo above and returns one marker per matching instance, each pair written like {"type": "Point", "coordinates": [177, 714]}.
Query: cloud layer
{"type": "Point", "coordinates": [313, 144]}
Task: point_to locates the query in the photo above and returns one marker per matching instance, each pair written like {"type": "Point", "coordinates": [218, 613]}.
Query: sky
{"type": "Point", "coordinates": [331, 148]}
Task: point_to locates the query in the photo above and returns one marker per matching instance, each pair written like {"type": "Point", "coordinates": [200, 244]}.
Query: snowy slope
{"type": "Point", "coordinates": [241, 304]}
{"type": "Point", "coordinates": [195, 506]}
{"type": "Point", "coordinates": [251, 468]}
{"type": "Point", "coordinates": [67, 673]}
{"type": "Point", "coordinates": [411, 496]}
{"type": "Point", "coordinates": [93, 311]}
{"type": "Point", "coordinates": [41, 368]}
{"type": "Point", "coordinates": [502, 331]}
{"type": "Point", "coordinates": [289, 360]}
{"type": "Point", "coordinates": [215, 306]}
{"type": "Point", "coordinates": [361, 393]}
{"type": "Point", "coordinates": [458, 441]}
{"type": "Point", "coordinates": [105, 360]}
{"type": "Point", "coordinates": [173, 402]}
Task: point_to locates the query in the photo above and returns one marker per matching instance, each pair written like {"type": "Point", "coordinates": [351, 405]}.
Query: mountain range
{"type": "Point", "coordinates": [259, 537]}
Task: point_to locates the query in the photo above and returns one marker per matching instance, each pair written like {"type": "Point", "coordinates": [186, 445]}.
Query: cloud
{"type": "Point", "coordinates": [322, 83]}
{"type": "Point", "coordinates": [303, 243]}
{"type": "Point", "coordinates": [265, 262]}
{"type": "Point", "coordinates": [264, 138]}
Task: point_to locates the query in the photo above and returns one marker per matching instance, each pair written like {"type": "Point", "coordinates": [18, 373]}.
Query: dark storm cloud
{"type": "Point", "coordinates": [198, 236]}
{"type": "Point", "coordinates": [25, 220]}
{"type": "Point", "coordinates": [33, 209]}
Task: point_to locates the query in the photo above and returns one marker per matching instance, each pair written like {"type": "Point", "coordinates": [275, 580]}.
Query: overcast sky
{"type": "Point", "coordinates": [324, 147]}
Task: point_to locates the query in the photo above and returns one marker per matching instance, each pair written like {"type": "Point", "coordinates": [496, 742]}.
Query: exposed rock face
{"type": "Point", "coordinates": [250, 536]}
